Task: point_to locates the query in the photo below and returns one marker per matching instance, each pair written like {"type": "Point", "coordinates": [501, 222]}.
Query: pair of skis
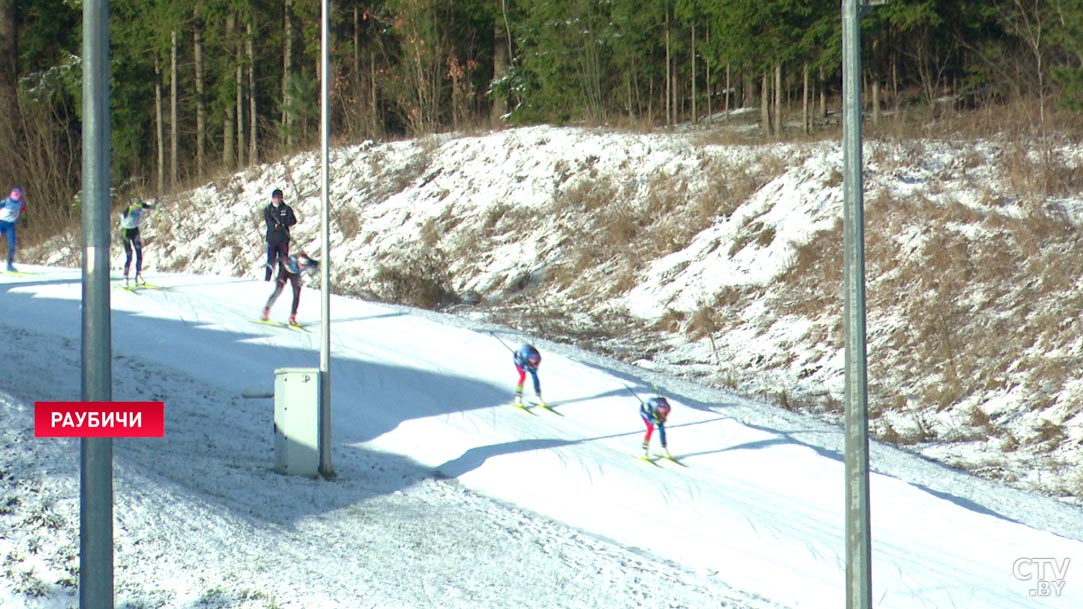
{"type": "Point", "coordinates": [280, 324]}
{"type": "Point", "coordinates": [528, 407]}
{"type": "Point", "coordinates": [135, 288]}
{"type": "Point", "coordinates": [657, 459]}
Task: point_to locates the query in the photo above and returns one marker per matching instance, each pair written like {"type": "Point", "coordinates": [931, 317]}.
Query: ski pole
{"type": "Point", "coordinates": [501, 342]}
{"type": "Point", "coordinates": [632, 391]}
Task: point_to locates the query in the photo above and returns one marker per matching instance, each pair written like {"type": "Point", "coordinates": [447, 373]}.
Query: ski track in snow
{"type": "Point", "coordinates": [445, 497]}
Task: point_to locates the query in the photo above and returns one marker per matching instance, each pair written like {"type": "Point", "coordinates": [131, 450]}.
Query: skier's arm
{"type": "Point", "coordinates": [268, 217]}
{"type": "Point", "coordinates": [291, 219]}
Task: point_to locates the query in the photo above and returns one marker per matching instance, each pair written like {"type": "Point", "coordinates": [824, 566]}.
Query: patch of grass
{"type": "Point", "coordinates": [585, 196]}
{"type": "Point", "coordinates": [421, 279]}
{"type": "Point", "coordinates": [348, 220]}
{"type": "Point", "coordinates": [1049, 435]}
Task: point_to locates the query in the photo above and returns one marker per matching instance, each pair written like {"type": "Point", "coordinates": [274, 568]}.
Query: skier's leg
{"type": "Point", "coordinates": [274, 296]}
{"type": "Point", "coordinates": [647, 437]}
{"type": "Point", "coordinates": [272, 258]}
{"type": "Point", "coordinates": [137, 243]}
{"type": "Point", "coordinates": [7, 229]}
{"type": "Point", "coordinates": [127, 253]}
{"type": "Point", "coordinates": [295, 281]}
{"type": "Point", "coordinates": [537, 383]}
{"type": "Point", "coordinates": [519, 385]}
{"type": "Point", "coordinates": [11, 244]}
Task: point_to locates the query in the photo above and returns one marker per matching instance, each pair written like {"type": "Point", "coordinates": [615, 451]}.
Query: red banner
{"type": "Point", "coordinates": [99, 419]}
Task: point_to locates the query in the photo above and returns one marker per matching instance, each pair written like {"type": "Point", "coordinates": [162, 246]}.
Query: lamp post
{"type": "Point", "coordinates": [858, 532]}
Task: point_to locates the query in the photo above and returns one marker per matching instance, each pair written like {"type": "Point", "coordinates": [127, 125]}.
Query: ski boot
{"type": "Point", "coordinates": [266, 314]}
{"type": "Point", "coordinates": [293, 320]}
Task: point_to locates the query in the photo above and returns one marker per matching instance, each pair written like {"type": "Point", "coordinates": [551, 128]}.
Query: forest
{"type": "Point", "coordinates": [203, 87]}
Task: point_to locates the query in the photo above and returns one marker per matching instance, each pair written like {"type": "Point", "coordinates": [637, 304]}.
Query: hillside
{"type": "Point", "coordinates": [717, 262]}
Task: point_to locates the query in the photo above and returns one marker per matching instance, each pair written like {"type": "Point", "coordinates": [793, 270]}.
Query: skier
{"type": "Point", "coordinates": [527, 359]}
{"type": "Point", "coordinates": [290, 269]}
{"type": "Point", "coordinates": [129, 232]}
{"type": "Point", "coordinates": [279, 218]}
{"type": "Point", "coordinates": [10, 210]}
{"type": "Point", "coordinates": [654, 412]}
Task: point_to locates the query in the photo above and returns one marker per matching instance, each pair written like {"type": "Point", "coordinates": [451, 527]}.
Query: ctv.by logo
{"type": "Point", "coordinates": [1048, 574]}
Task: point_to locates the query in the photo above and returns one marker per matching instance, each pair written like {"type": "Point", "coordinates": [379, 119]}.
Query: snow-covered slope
{"type": "Point", "coordinates": [446, 496]}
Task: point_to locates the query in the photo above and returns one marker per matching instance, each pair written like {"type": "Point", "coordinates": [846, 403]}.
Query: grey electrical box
{"type": "Point", "coordinates": [297, 421]}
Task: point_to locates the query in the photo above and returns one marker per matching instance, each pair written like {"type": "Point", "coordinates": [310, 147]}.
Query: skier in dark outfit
{"type": "Point", "coordinates": [279, 218]}
{"type": "Point", "coordinates": [290, 269]}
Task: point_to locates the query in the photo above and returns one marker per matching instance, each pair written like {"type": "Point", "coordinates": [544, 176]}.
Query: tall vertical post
{"type": "Point", "coordinates": [858, 534]}
{"type": "Point", "coordinates": [96, 466]}
{"type": "Point", "coordinates": [326, 470]}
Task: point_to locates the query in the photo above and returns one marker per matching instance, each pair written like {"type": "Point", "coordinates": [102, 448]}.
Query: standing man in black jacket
{"type": "Point", "coordinates": [279, 218]}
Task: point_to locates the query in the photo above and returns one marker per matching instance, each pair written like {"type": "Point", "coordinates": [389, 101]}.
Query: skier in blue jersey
{"type": "Point", "coordinates": [290, 269]}
{"type": "Point", "coordinates": [10, 210]}
{"type": "Point", "coordinates": [130, 219]}
{"type": "Point", "coordinates": [654, 412]}
{"type": "Point", "coordinates": [527, 359]}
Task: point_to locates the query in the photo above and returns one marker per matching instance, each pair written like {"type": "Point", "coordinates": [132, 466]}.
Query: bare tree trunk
{"type": "Point", "coordinates": [765, 103]}
{"type": "Point", "coordinates": [159, 121]}
{"type": "Point", "coordinates": [9, 72]}
{"type": "Point", "coordinates": [694, 115]}
{"type": "Point", "coordinates": [287, 72]}
{"type": "Point", "coordinates": [875, 101]}
{"type": "Point", "coordinates": [201, 102]}
{"type": "Point", "coordinates": [374, 99]}
{"type": "Point", "coordinates": [357, 42]}
{"type": "Point", "coordinates": [253, 144]}
{"type": "Point", "coordinates": [707, 67]}
{"type": "Point", "coordinates": [874, 77]}
{"type": "Point", "coordinates": [726, 95]}
{"type": "Point", "coordinates": [823, 95]}
{"type": "Point", "coordinates": [805, 119]}
{"type": "Point", "coordinates": [895, 83]}
{"type": "Point", "coordinates": [174, 128]}
{"type": "Point", "coordinates": [778, 99]}
{"type": "Point", "coordinates": [500, 64]}
{"type": "Point", "coordinates": [228, 124]}
{"type": "Point", "coordinates": [669, 77]}
{"type": "Point", "coordinates": [239, 82]}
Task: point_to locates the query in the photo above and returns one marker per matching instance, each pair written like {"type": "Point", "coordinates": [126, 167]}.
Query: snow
{"type": "Point", "coordinates": [447, 497]}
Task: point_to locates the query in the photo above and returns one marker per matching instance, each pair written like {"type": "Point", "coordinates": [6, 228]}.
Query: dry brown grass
{"type": "Point", "coordinates": [420, 279]}
{"type": "Point", "coordinates": [348, 220]}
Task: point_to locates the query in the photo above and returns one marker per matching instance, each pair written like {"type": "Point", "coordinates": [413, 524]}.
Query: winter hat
{"type": "Point", "coordinates": [276, 193]}
{"type": "Point", "coordinates": [17, 190]}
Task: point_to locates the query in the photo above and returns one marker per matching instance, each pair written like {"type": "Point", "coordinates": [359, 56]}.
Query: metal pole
{"type": "Point", "coordinates": [326, 470]}
{"type": "Point", "coordinates": [96, 468]}
{"type": "Point", "coordinates": [858, 535]}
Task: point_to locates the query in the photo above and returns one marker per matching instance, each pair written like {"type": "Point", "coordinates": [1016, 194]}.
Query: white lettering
{"type": "Point", "coordinates": [135, 419]}
{"type": "Point", "coordinates": [1017, 569]}
{"type": "Point", "coordinates": [1060, 570]}
{"type": "Point", "coordinates": [56, 417]}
